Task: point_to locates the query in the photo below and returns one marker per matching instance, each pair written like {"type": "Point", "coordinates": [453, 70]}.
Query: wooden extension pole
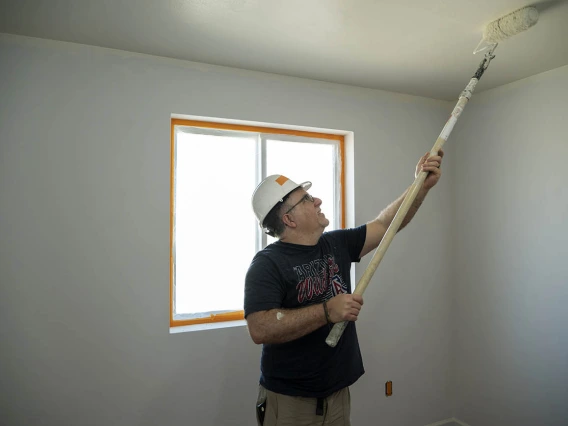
{"type": "Point", "coordinates": [338, 329]}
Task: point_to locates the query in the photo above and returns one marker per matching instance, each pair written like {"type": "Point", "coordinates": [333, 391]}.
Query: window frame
{"type": "Point", "coordinates": [266, 130]}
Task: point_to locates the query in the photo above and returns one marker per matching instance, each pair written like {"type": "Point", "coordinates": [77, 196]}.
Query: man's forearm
{"type": "Point", "coordinates": [285, 325]}
{"type": "Point", "coordinates": [388, 214]}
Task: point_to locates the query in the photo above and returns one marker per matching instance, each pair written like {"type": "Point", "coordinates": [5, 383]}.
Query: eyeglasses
{"type": "Point", "coordinates": [306, 197]}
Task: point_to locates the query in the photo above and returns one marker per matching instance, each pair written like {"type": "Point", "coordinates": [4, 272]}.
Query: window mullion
{"type": "Point", "coordinates": [337, 186]}
{"type": "Point", "coordinates": [262, 165]}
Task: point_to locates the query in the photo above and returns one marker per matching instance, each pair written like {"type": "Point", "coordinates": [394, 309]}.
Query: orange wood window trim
{"type": "Point", "coordinates": [226, 316]}
{"type": "Point", "coordinates": [237, 315]}
{"type": "Point", "coordinates": [172, 169]}
{"type": "Point", "coordinates": [258, 129]}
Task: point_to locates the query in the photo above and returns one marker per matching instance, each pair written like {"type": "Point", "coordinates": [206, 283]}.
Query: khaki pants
{"type": "Point", "coordinates": [284, 410]}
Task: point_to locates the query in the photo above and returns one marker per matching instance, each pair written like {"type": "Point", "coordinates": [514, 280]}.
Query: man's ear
{"type": "Point", "coordinates": [288, 221]}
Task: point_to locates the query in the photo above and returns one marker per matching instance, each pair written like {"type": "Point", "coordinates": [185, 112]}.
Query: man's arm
{"type": "Point", "coordinates": [285, 325]}
{"type": "Point", "coordinates": [377, 228]}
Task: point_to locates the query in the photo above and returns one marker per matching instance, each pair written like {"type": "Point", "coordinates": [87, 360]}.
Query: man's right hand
{"type": "Point", "coordinates": [344, 307]}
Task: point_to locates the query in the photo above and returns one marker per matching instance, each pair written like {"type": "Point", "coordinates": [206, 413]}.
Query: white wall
{"type": "Point", "coordinates": [84, 210]}
{"type": "Point", "coordinates": [511, 264]}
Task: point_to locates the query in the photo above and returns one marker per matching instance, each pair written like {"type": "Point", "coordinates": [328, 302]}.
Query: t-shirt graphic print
{"type": "Point", "coordinates": [319, 277]}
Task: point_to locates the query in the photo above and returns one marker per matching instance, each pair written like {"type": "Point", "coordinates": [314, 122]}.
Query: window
{"type": "Point", "coordinates": [213, 232]}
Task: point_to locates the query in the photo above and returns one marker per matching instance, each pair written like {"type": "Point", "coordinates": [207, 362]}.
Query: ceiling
{"type": "Point", "coordinates": [418, 47]}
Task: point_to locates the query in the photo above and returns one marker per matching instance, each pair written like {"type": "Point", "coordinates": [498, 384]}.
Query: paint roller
{"type": "Point", "coordinates": [495, 32]}
{"type": "Point", "coordinates": [507, 26]}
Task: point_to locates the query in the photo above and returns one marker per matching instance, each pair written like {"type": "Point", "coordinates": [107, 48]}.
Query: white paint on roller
{"type": "Point", "coordinates": [511, 24]}
{"type": "Point", "coordinates": [279, 316]}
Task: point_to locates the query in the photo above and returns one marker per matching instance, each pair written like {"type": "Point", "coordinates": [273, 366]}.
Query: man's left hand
{"type": "Point", "coordinates": [430, 164]}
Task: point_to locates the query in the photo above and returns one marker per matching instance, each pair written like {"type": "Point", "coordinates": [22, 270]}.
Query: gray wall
{"type": "Point", "coordinates": [511, 259]}
{"type": "Point", "coordinates": [84, 247]}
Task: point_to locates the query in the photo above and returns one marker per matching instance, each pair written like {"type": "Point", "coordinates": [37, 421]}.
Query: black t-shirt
{"type": "Point", "coordinates": [289, 276]}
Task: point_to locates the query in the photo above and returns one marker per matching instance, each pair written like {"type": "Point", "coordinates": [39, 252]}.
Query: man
{"type": "Point", "coordinates": [297, 288]}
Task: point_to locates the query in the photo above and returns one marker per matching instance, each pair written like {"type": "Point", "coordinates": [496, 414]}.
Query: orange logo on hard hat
{"type": "Point", "coordinates": [282, 180]}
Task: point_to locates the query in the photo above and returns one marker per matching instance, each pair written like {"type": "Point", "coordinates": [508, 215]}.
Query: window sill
{"type": "Point", "coordinates": [207, 326]}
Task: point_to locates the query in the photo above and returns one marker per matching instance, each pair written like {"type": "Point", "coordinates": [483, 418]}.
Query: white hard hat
{"type": "Point", "coordinates": [270, 192]}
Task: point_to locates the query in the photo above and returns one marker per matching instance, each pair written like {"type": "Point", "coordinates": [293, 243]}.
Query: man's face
{"type": "Point", "coordinates": [305, 210]}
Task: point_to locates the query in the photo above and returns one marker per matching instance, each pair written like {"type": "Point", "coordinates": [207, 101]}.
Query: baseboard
{"type": "Point", "coordinates": [450, 422]}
